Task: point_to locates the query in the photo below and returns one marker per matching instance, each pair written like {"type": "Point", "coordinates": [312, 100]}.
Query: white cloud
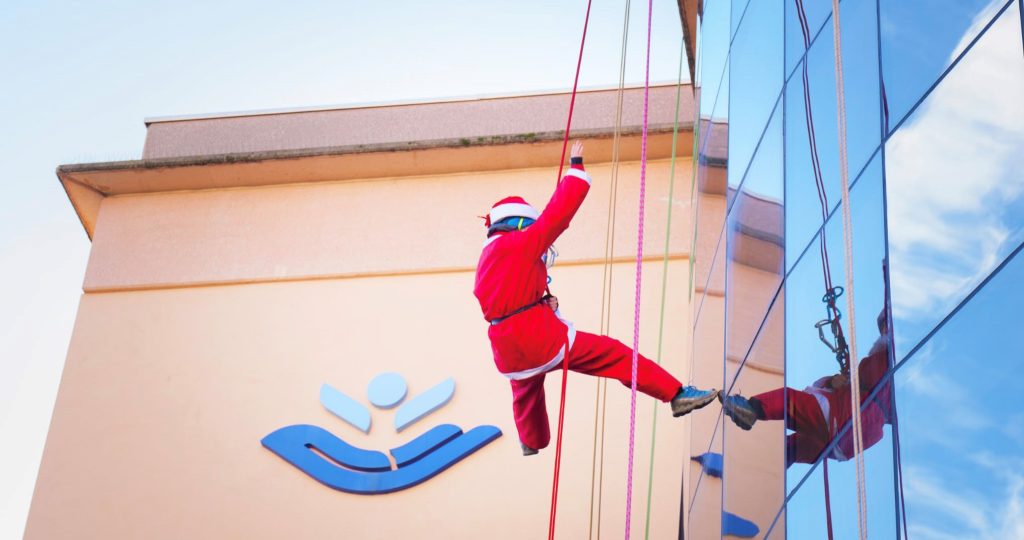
{"type": "Point", "coordinates": [952, 168]}
{"type": "Point", "coordinates": [995, 514]}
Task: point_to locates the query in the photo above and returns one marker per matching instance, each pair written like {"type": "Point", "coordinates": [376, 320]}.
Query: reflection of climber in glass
{"type": "Point", "coordinates": [352, 469]}
{"type": "Point", "coordinates": [820, 411]}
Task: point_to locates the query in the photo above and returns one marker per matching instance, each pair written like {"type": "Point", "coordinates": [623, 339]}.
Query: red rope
{"type": "Point", "coordinates": [558, 444]}
{"type": "Point", "coordinates": [565, 357]}
{"type": "Point", "coordinates": [812, 141]}
{"type": "Point", "coordinates": [572, 100]}
{"type": "Point", "coordinates": [828, 502]}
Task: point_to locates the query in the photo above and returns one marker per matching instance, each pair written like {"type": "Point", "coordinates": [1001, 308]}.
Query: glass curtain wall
{"type": "Point", "coordinates": [935, 143]}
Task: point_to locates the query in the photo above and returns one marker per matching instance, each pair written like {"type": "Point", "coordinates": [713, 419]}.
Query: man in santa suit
{"type": "Point", "coordinates": [818, 413]}
{"type": "Point", "coordinates": [528, 335]}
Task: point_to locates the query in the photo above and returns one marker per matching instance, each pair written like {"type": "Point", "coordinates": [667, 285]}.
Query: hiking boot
{"type": "Point", "coordinates": [527, 451]}
{"type": "Point", "coordinates": [740, 409]}
{"type": "Point", "coordinates": [691, 398]}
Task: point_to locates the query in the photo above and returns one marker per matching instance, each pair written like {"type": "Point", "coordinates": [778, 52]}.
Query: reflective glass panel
{"type": "Point", "coordinates": [816, 406]}
{"type": "Point", "coordinates": [714, 53]}
{"type": "Point", "coordinates": [755, 80]}
{"type": "Point", "coordinates": [755, 467]}
{"type": "Point", "coordinates": [709, 235]}
{"type": "Point", "coordinates": [714, 129]}
{"type": "Point", "coordinates": [806, 517]}
{"type": "Point", "coordinates": [812, 148]}
{"type": "Point", "coordinates": [919, 43]}
{"type": "Point", "coordinates": [804, 20]}
{"type": "Point", "coordinates": [954, 182]}
{"type": "Point", "coordinates": [705, 489]}
{"type": "Point", "coordinates": [961, 419]}
{"type": "Point", "coordinates": [738, 8]}
{"type": "Point", "coordinates": [705, 476]}
{"type": "Point", "coordinates": [755, 247]}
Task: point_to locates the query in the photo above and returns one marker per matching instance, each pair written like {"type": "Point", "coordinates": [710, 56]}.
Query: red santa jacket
{"type": "Point", "coordinates": [837, 409]}
{"type": "Point", "coordinates": [511, 275]}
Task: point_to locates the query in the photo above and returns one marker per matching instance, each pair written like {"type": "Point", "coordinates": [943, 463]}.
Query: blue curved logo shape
{"type": "Point", "coordinates": [367, 472]}
{"type": "Point", "coordinates": [339, 465]}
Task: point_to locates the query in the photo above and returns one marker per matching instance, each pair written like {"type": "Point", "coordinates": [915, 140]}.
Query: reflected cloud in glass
{"type": "Point", "coordinates": [961, 414]}
{"type": "Point", "coordinates": [955, 188]}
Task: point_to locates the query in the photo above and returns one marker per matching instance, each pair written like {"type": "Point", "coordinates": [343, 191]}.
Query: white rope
{"type": "Point", "coordinates": [844, 176]}
{"type": "Point", "coordinates": [601, 399]}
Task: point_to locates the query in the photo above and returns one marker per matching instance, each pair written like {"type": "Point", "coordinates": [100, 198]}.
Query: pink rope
{"type": "Point", "coordinates": [639, 273]}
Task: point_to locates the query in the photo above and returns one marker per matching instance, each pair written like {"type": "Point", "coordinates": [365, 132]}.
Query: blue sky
{"type": "Point", "coordinates": [79, 77]}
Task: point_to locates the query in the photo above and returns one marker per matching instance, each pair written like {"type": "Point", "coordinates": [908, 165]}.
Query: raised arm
{"type": "Point", "coordinates": [564, 203]}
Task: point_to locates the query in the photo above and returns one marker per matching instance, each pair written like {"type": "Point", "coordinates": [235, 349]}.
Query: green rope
{"type": "Point", "coordinates": [601, 399]}
{"type": "Point", "coordinates": [664, 283]}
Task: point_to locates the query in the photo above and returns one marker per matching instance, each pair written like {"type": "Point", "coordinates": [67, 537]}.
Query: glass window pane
{"type": "Point", "coordinates": [954, 183]}
{"type": "Point", "coordinates": [803, 22]}
{"type": "Point", "coordinates": [714, 31]}
{"type": "Point", "coordinates": [755, 80]}
{"type": "Point", "coordinates": [738, 7]}
{"type": "Point", "coordinates": [705, 490]}
{"type": "Point", "coordinates": [817, 404]}
{"type": "Point", "coordinates": [709, 235]}
{"type": "Point", "coordinates": [755, 247]}
{"type": "Point", "coordinates": [754, 464]}
{"type": "Point", "coordinates": [961, 419]}
{"type": "Point", "coordinates": [919, 42]}
{"type": "Point", "coordinates": [705, 477]}
{"type": "Point", "coordinates": [812, 149]}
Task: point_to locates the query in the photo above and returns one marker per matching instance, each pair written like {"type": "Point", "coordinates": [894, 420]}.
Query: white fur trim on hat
{"type": "Point", "coordinates": [503, 211]}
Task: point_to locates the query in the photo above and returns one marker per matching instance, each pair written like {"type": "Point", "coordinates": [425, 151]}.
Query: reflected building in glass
{"type": "Point", "coordinates": [935, 142]}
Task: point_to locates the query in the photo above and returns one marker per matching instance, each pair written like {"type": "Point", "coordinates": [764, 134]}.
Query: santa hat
{"type": "Point", "coordinates": [510, 207]}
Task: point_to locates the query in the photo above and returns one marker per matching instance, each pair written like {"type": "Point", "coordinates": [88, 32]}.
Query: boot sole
{"type": "Point", "coordinates": [740, 422]}
{"type": "Point", "coordinates": [696, 405]}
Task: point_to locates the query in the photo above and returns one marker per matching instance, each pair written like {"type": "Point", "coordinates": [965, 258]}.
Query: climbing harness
{"type": "Point", "coordinates": [565, 357]}
{"type": "Point", "coordinates": [498, 320]}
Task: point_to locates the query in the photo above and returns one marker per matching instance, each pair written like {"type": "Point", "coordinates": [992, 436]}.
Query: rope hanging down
{"type": "Point", "coordinates": [639, 271]}
{"type": "Point", "coordinates": [832, 318]}
{"type": "Point", "coordinates": [844, 177]}
{"type": "Point", "coordinates": [601, 397]}
{"type": "Point", "coordinates": [565, 357]}
{"type": "Point", "coordinates": [664, 282]}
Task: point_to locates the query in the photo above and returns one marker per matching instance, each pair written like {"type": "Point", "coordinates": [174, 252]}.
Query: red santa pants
{"type": "Point", "coordinates": [600, 356]}
{"type": "Point", "coordinates": [810, 435]}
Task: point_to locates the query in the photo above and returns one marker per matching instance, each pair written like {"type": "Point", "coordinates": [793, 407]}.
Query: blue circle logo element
{"type": "Point", "coordinates": [387, 390]}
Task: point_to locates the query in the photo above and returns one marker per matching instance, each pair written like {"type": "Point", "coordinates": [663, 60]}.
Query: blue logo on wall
{"type": "Point", "coordinates": [369, 472]}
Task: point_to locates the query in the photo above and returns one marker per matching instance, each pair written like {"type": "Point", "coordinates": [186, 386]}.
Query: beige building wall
{"type": "Point", "coordinates": [211, 317]}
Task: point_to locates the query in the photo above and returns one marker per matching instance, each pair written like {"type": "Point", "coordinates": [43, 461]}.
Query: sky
{"type": "Point", "coordinates": [79, 78]}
